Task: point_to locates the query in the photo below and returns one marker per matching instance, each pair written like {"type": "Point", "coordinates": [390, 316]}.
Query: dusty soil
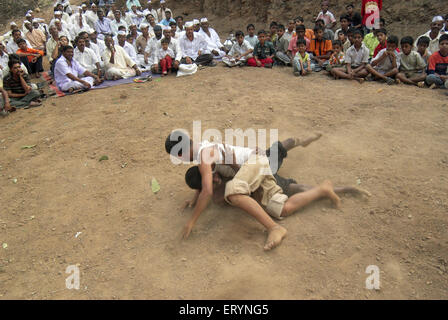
{"type": "Point", "coordinates": [391, 138]}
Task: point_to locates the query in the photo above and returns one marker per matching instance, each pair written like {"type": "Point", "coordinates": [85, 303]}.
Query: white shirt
{"type": "Point", "coordinates": [214, 43]}
{"type": "Point", "coordinates": [121, 59]}
{"type": "Point", "coordinates": [153, 12]}
{"type": "Point", "coordinates": [161, 54]}
{"type": "Point", "coordinates": [174, 46]}
{"type": "Point", "coordinates": [226, 152]}
{"type": "Point", "coordinates": [240, 50]}
{"type": "Point", "coordinates": [130, 50]}
{"type": "Point", "coordinates": [386, 64]}
{"type": "Point", "coordinates": [191, 48]}
{"type": "Point", "coordinates": [357, 57]}
{"type": "Point", "coordinates": [4, 61]}
{"type": "Point", "coordinates": [87, 59]}
{"type": "Point", "coordinates": [114, 26]}
{"type": "Point", "coordinates": [92, 18]}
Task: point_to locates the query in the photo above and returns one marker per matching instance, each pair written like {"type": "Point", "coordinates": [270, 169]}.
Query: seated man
{"type": "Point", "coordinates": [118, 64]}
{"type": "Point", "coordinates": [194, 48]}
{"type": "Point", "coordinates": [86, 57]}
{"type": "Point", "coordinates": [36, 37]}
{"type": "Point", "coordinates": [214, 44]}
{"type": "Point", "coordinates": [126, 45]}
{"type": "Point", "coordinates": [18, 86]}
{"type": "Point", "coordinates": [70, 76]}
{"type": "Point", "coordinates": [31, 58]}
{"type": "Point", "coordinates": [255, 172]}
{"type": "Point", "coordinates": [12, 46]}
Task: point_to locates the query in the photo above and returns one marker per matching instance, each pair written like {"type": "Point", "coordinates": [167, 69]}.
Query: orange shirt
{"type": "Point", "coordinates": [31, 50]}
{"type": "Point", "coordinates": [309, 33]}
{"type": "Point", "coordinates": [320, 48]}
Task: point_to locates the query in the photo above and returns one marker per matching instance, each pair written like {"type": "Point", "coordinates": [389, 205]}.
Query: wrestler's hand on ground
{"type": "Point", "coordinates": [187, 229]}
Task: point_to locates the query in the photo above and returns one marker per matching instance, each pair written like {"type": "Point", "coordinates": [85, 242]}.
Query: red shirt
{"type": "Point", "coordinates": [438, 64]}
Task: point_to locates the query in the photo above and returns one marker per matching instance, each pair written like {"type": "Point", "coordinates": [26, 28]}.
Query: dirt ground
{"type": "Point", "coordinates": [391, 139]}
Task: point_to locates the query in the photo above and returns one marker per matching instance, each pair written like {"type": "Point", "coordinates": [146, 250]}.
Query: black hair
{"type": "Point", "coordinates": [14, 31]}
{"type": "Point", "coordinates": [129, 36]}
{"type": "Point", "coordinates": [172, 23]}
{"type": "Point", "coordinates": [281, 27]}
{"type": "Point", "coordinates": [351, 30]}
{"type": "Point", "coordinates": [345, 17]}
{"type": "Point", "coordinates": [19, 41]}
{"type": "Point", "coordinates": [175, 138]}
{"type": "Point", "coordinates": [65, 48]}
{"type": "Point", "coordinates": [250, 25]}
{"type": "Point", "coordinates": [300, 27]}
{"type": "Point", "coordinates": [393, 39]}
{"type": "Point", "coordinates": [358, 31]}
{"type": "Point", "coordinates": [83, 33]}
{"type": "Point", "coordinates": [121, 28]}
{"type": "Point", "coordinates": [337, 43]}
{"type": "Point", "coordinates": [14, 56]}
{"type": "Point", "coordinates": [383, 21]}
{"type": "Point", "coordinates": [320, 21]}
{"type": "Point", "coordinates": [342, 32]}
{"type": "Point", "coordinates": [12, 62]}
{"type": "Point", "coordinates": [317, 28]}
{"type": "Point", "coordinates": [350, 6]}
{"type": "Point", "coordinates": [423, 40]}
{"type": "Point", "coordinates": [165, 40]}
{"type": "Point", "coordinates": [444, 37]}
{"type": "Point", "coordinates": [193, 178]}
{"type": "Point", "coordinates": [273, 24]}
{"type": "Point", "coordinates": [261, 32]}
{"type": "Point", "coordinates": [79, 37]}
{"type": "Point", "coordinates": [179, 17]}
{"type": "Point", "coordinates": [382, 30]}
{"type": "Point", "coordinates": [408, 40]}
{"type": "Point", "coordinates": [446, 17]}
{"type": "Point", "coordinates": [301, 41]}
{"type": "Point", "coordinates": [239, 33]}
{"type": "Point", "coordinates": [299, 18]}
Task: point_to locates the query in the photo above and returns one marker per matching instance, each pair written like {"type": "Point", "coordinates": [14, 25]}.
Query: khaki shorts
{"type": "Point", "coordinates": [253, 175]}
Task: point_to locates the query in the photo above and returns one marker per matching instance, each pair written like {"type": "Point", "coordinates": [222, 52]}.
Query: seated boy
{"type": "Point", "coordinates": [240, 51]}
{"type": "Point", "coordinates": [422, 48]}
{"type": "Point", "coordinates": [337, 57]}
{"type": "Point", "coordinates": [302, 61]}
{"type": "Point", "coordinates": [412, 65]}
{"type": "Point", "coordinates": [254, 173]}
{"type": "Point", "coordinates": [356, 59]}
{"type": "Point", "coordinates": [321, 50]}
{"type": "Point", "coordinates": [300, 34]}
{"type": "Point", "coordinates": [31, 58]}
{"type": "Point", "coordinates": [381, 35]}
{"type": "Point", "coordinates": [281, 45]}
{"type": "Point", "coordinates": [385, 65]}
{"type": "Point", "coordinates": [437, 66]}
{"type": "Point", "coordinates": [264, 52]}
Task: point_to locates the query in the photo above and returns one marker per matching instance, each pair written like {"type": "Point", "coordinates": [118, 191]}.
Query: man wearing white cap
{"type": "Point", "coordinates": [41, 26]}
{"type": "Point", "coordinates": [82, 11]}
{"type": "Point", "coordinates": [117, 22]}
{"type": "Point", "coordinates": [36, 38]}
{"type": "Point", "coordinates": [196, 25]}
{"type": "Point", "coordinates": [214, 43]}
{"type": "Point", "coordinates": [433, 35]}
{"type": "Point", "coordinates": [161, 11]}
{"type": "Point", "coordinates": [129, 48]}
{"type": "Point", "coordinates": [61, 29]}
{"type": "Point", "coordinates": [150, 9]}
{"type": "Point", "coordinates": [130, 3]}
{"type": "Point", "coordinates": [8, 35]}
{"type": "Point", "coordinates": [64, 15]}
{"type": "Point", "coordinates": [118, 64]}
{"type": "Point", "coordinates": [28, 18]}
{"type": "Point", "coordinates": [194, 47]}
{"type": "Point", "coordinates": [79, 25]}
{"type": "Point", "coordinates": [64, 6]}
{"type": "Point", "coordinates": [58, 16]}
{"type": "Point", "coordinates": [173, 45]}
{"type": "Point", "coordinates": [92, 16]}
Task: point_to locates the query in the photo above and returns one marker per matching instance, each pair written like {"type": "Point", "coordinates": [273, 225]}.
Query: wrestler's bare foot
{"type": "Point", "coordinates": [306, 142]}
{"type": "Point", "coordinates": [275, 237]}
{"type": "Point", "coordinates": [327, 188]}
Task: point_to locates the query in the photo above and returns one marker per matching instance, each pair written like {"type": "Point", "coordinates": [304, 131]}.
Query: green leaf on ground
{"type": "Point", "coordinates": [103, 158]}
{"type": "Point", "coordinates": [155, 185]}
{"type": "Point", "coordinates": [28, 147]}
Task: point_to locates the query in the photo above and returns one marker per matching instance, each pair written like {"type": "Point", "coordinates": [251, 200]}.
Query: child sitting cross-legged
{"type": "Point", "coordinates": [239, 52]}
{"type": "Point", "coordinates": [356, 59]}
{"type": "Point", "coordinates": [385, 65]}
{"type": "Point", "coordinates": [264, 52]}
{"type": "Point", "coordinates": [412, 65]}
{"type": "Point", "coordinates": [337, 57]}
{"type": "Point", "coordinates": [302, 62]}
